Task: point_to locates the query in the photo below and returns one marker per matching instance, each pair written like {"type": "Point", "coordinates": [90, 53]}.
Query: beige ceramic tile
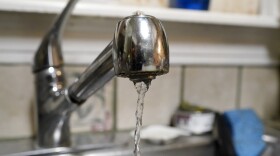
{"type": "Point", "coordinates": [17, 104]}
{"type": "Point", "coordinates": [16, 95]}
{"type": "Point", "coordinates": [161, 100]}
{"type": "Point", "coordinates": [211, 87]}
{"type": "Point", "coordinates": [260, 90]}
{"type": "Point", "coordinates": [96, 113]}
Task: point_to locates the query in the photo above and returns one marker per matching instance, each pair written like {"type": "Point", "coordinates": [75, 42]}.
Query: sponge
{"type": "Point", "coordinates": [246, 130]}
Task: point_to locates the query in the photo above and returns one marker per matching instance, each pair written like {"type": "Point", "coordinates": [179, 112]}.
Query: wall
{"type": "Point", "coordinates": [216, 87]}
{"type": "Point", "coordinates": [218, 67]}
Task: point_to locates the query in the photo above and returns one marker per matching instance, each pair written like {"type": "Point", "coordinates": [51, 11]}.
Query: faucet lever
{"type": "Point", "coordinates": [49, 53]}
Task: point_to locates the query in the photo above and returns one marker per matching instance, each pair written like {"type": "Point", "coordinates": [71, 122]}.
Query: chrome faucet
{"type": "Point", "coordinates": [139, 51]}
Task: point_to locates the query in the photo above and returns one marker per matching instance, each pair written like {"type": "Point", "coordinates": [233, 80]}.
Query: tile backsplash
{"type": "Point", "coordinates": [17, 96]}
{"type": "Point", "coordinates": [161, 100]}
{"type": "Point", "coordinates": [96, 113]}
{"type": "Point", "coordinates": [260, 90]}
{"type": "Point", "coordinates": [211, 87]}
{"type": "Point", "coordinates": [216, 87]}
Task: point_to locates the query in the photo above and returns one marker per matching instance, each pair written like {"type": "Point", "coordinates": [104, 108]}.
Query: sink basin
{"type": "Point", "coordinates": [185, 146]}
{"type": "Point", "coordinates": [272, 138]}
{"type": "Point", "coordinates": [118, 144]}
{"type": "Point", "coordinates": [200, 150]}
{"type": "Point", "coordinates": [121, 144]}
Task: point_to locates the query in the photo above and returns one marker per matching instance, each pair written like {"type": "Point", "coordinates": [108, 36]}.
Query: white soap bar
{"type": "Point", "coordinates": [161, 133]}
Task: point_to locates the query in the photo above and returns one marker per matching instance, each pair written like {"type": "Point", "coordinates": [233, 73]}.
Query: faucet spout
{"type": "Point", "coordinates": [139, 51]}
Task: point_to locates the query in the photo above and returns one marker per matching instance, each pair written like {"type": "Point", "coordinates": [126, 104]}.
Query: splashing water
{"type": "Point", "coordinates": [142, 88]}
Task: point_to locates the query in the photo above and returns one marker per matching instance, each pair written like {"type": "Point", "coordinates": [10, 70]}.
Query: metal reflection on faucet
{"type": "Point", "coordinates": [138, 51]}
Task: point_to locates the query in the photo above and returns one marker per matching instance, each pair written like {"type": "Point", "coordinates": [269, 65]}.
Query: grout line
{"type": "Point", "coordinates": [182, 88]}
{"type": "Point", "coordinates": [239, 87]}
{"type": "Point", "coordinates": [278, 91]}
{"type": "Point", "coordinates": [114, 103]}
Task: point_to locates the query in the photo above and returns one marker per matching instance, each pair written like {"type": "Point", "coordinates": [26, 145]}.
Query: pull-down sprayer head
{"type": "Point", "coordinates": [140, 48]}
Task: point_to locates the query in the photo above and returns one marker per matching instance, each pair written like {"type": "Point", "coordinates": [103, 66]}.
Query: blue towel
{"type": "Point", "coordinates": [246, 132]}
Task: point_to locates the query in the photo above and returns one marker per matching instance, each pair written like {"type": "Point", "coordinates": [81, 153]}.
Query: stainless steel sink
{"type": "Point", "coordinates": [180, 150]}
{"type": "Point", "coordinates": [108, 144]}
{"type": "Point", "coordinates": [272, 138]}
{"type": "Point", "coordinates": [185, 146]}
{"type": "Point", "coordinates": [121, 144]}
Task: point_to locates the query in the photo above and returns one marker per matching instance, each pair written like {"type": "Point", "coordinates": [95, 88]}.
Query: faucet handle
{"type": "Point", "coordinates": [140, 48]}
{"type": "Point", "coordinates": [49, 53]}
